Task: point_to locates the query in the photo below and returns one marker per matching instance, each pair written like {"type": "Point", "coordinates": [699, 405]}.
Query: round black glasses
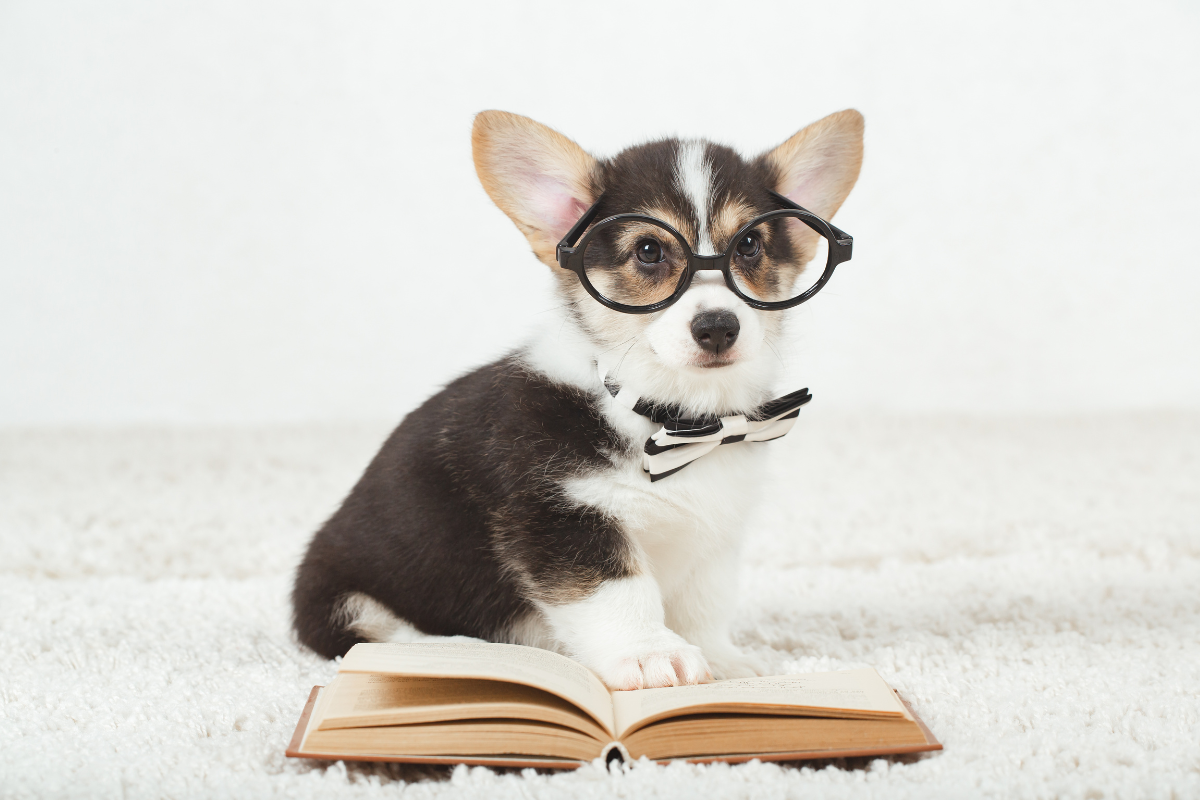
{"type": "Point", "coordinates": [638, 264]}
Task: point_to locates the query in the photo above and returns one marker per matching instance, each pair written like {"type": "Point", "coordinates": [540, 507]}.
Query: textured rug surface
{"type": "Point", "coordinates": [1031, 585]}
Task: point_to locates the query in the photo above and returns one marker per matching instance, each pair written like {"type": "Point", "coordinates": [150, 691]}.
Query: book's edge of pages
{"type": "Point", "coordinates": [293, 750]}
{"type": "Point", "coordinates": [363, 651]}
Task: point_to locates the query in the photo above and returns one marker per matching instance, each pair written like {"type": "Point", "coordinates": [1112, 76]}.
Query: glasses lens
{"type": "Point", "coordinates": [778, 260]}
{"type": "Point", "coordinates": [634, 262]}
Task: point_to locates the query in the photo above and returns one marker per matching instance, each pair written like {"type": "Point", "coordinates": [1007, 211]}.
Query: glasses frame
{"type": "Point", "coordinates": [570, 250]}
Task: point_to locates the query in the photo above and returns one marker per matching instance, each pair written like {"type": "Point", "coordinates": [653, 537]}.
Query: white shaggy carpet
{"type": "Point", "coordinates": [1031, 585]}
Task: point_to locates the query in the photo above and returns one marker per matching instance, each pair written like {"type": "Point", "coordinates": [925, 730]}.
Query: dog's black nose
{"type": "Point", "coordinates": [715, 331]}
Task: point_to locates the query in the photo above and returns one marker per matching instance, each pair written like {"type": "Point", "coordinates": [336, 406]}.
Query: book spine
{"type": "Point", "coordinates": [615, 751]}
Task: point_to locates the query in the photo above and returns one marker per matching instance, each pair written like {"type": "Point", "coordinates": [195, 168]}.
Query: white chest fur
{"type": "Point", "coordinates": [682, 523]}
{"type": "Point", "coordinates": [678, 525]}
{"type": "Point", "coordinates": [670, 619]}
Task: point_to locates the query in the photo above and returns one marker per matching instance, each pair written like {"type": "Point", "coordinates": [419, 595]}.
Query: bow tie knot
{"type": "Point", "coordinates": [682, 440]}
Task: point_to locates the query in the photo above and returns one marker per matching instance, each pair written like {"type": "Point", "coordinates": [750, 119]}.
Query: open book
{"type": "Point", "coordinates": [508, 705]}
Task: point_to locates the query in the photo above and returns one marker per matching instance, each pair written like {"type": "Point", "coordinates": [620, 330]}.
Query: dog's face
{"type": "Point", "coordinates": [709, 352]}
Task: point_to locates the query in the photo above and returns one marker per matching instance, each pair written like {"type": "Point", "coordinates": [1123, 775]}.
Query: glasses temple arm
{"type": "Point", "coordinates": [566, 246]}
{"type": "Point", "coordinates": [844, 239]}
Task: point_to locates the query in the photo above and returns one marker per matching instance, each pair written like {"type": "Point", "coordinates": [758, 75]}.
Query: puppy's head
{"type": "Point", "coordinates": [708, 352]}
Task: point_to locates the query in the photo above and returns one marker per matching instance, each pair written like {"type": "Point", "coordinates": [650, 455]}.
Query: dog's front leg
{"type": "Point", "coordinates": [618, 632]}
{"type": "Point", "coordinates": [700, 610]}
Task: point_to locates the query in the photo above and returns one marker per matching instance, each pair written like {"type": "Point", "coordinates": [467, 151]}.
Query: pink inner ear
{"type": "Point", "coordinates": [808, 189]}
{"type": "Point", "coordinates": [554, 205]}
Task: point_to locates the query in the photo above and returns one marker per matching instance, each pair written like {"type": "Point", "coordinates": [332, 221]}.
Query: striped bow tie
{"type": "Point", "coordinates": [682, 440]}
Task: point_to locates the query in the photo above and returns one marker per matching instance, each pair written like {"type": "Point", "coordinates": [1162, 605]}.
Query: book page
{"type": "Point", "coordinates": [513, 663]}
{"type": "Point", "coordinates": [858, 693]}
{"type": "Point", "coordinates": [360, 700]}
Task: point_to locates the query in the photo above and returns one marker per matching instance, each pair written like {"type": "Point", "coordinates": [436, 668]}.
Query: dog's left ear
{"type": "Point", "coordinates": [818, 166]}
{"type": "Point", "coordinates": [541, 179]}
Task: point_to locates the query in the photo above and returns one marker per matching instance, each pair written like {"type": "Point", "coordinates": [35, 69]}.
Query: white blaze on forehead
{"type": "Point", "coordinates": [693, 178]}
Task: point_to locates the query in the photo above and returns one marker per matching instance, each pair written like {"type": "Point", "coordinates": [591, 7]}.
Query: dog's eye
{"type": "Point", "coordinates": [649, 251]}
{"type": "Point", "coordinates": [749, 246]}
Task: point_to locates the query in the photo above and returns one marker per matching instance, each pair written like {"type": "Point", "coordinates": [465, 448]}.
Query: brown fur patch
{"type": "Point", "coordinates": [675, 220]}
{"type": "Point", "coordinates": [728, 220]}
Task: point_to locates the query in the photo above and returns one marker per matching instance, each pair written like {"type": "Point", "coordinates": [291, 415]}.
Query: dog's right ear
{"type": "Point", "coordinates": [541, 179]}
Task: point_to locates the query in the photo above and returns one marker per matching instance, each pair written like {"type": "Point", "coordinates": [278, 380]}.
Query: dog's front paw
{"type": "Point", "coordinates": [665, 663]}
{"type": "Point", "coordinates": [736, 664]}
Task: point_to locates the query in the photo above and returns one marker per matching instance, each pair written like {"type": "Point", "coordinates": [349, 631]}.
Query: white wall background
{"type": "Point", "coordinates": [244, 213]}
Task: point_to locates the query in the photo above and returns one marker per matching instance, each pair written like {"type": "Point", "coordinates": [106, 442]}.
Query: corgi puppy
{"type": "Point", "coordinates": [514, 505]}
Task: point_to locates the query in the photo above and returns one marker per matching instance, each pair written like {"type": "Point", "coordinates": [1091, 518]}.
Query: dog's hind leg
{"type": "Point", "coordinates": [318, 616]}
{"type": "Point", "coordinates": [371, 621]}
